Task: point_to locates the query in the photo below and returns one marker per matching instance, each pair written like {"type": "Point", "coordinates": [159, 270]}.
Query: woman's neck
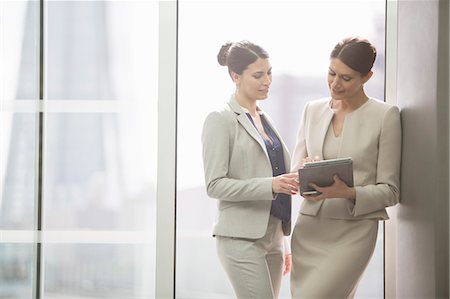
{"type": "Point", "coordinates": [247, 103]}
{"type": "Point", "coordinates": [349, 105]}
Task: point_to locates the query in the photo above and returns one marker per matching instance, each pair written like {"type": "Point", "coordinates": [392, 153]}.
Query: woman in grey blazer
{"type": "Point", "coordinates": [335, 234]}
{"type": "Point", "coordinates": [245, 162]}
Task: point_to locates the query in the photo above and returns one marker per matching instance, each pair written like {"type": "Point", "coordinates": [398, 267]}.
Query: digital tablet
{"type": "Point", "coordinates": [321, 173]}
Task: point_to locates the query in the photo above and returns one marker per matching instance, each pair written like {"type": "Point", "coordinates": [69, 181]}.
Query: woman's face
{"type": "Point", "coordinates": [255, 80]}
{"type": "Point", "coordinates": [343, 81]}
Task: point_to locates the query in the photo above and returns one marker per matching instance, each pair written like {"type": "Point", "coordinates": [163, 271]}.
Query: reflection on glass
{"type": "Point", "coordinates": [299, 36]}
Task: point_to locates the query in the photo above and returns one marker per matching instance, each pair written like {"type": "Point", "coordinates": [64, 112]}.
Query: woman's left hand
{"type": "Point", "coordinates": [287, 263]}
{"type": "Point", "coordinates": [337, 190]}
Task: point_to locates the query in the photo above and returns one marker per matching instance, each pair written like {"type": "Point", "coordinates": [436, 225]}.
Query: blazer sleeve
{"type": "Point", "coordinates": [386, 191]}
{"type": "Point", "coordinates": [217, 145]}
{"type": "Point", "coordinates": [300, 151]}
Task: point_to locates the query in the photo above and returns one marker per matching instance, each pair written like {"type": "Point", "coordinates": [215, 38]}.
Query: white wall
{"type": "Point", "coordinates": [423, 96]}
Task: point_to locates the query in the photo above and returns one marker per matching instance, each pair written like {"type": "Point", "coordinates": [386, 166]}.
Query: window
{"type": "Point", "coordinates": [99, 156]}
{"type": "Point", "coordinates": [298, 36]}
{"type": "Point", "coordinates": [100, 125]}
{"type": "Point", "coordinates": [18, 94]}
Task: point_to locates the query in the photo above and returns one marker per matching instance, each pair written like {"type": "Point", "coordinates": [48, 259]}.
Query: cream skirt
{"type": "Point", "coordinates": [329, 255]}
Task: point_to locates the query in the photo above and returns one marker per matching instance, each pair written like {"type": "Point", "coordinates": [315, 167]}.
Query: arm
{"type": "Point", "coordinates": [216, 156]}
{"type": "Point", "coordinates": [386, 191]}
{"type": "Point", "coordinates": [300, 151]}
{"type": "Point", "coordinates": [287, 255]}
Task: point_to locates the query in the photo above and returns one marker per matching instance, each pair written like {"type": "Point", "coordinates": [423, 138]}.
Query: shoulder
{"type": "Point", "coordinates": [380, 107]}
{"type": "Point", "coordinates": [321, 103]}
{"type": "Point", "coordinates": [223, 116]}
{"type": "Point", "coordinates": [317, 110]}
{"type": "Point", "coordinates": [381, 113]}
{"type": "Point", "coordinates": [316, 107]}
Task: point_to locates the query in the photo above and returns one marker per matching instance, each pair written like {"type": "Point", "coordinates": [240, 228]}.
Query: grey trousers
{"type": "Point", "coordinates": [254, 267]}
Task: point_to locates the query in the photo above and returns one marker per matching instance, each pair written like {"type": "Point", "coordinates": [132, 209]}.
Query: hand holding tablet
{"type": "Point", "coordinates": [321, 173]}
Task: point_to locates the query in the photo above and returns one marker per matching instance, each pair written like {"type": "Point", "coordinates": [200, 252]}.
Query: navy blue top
{"type": "Point", "coordinates": [281, 205]}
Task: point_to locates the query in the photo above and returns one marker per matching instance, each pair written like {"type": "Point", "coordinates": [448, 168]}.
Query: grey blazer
{"type": "Point", "coordinates": [372, 137]}
{"type": "Point", "coordinates": [238, 173]}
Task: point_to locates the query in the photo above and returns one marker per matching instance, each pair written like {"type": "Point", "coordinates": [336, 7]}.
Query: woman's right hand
{"type": "Point", "coordinates": [286, 183]}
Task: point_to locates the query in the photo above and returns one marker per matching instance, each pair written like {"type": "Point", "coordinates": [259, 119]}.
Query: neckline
{"type": "Point", "coordinates": [258, 110]}
{"type": "Point", "coordinates": [330, 102]}
{"type": "Point", "coordinates": [333, 133]}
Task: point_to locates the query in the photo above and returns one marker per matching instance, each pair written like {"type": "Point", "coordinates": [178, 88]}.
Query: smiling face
{"type": "Point", "coordinates": [345, 83]}
{"type": "Point", "coordinates": [254, 82]}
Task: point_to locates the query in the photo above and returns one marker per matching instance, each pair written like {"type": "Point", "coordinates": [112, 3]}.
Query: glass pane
{"type": "Point", "coordinates": [100, 154]}
{"type": "Point", "coordinates": [16, 268]}
{"type": "Point", "coordinates": [79, 53]}
{"type": "Point", "coordinates": [298, 36]}
{"type": "Point", "coordinates": [18, 170]}
{"type": "Point", "coordinates": [99, 271]}
{"type": "Point", "coordinates": [18, 94]}
{"type": "Point", "coordinates": [19, 90]}
{"type": "Point", "coordinates": [97, 174]}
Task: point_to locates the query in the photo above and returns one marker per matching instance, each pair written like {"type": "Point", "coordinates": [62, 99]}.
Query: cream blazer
{"type": "Point", "coordinates": [238, 173]}
{"type": "Point", "coordinates": [372, 137]}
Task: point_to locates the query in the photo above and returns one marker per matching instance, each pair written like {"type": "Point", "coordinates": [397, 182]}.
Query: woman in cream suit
{"type": "Point", "coordinates": [336, 231]}
{"type": "Point", "coordinates": [245, 163]}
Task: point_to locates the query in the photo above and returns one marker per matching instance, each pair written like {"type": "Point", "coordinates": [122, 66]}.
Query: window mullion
{"type": "Point", "coordinates": [38, 277]}
{"type": "Point", "coordinates": [166, 174]}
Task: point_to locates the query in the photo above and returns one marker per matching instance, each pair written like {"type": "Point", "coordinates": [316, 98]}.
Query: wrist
{"type": "Point", "coordinates": [352, 194]}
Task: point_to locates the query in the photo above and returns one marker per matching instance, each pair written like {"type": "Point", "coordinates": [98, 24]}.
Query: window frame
{"type": "Point", "coordinates": [166, 157]}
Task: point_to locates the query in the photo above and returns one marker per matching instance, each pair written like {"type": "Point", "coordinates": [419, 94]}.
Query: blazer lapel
{"type": "Point", "coordinates": [286, 154]}
{"type": "Point", "coordinates": [323, 123]}
{"type": "Point", "coordinates": [242, 118]}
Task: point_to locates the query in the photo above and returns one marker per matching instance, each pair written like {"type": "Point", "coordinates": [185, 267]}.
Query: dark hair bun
{"type": "Point", "coordinates": [357, 53]}
{"type": "Point", "coordinates": [223, 54]}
